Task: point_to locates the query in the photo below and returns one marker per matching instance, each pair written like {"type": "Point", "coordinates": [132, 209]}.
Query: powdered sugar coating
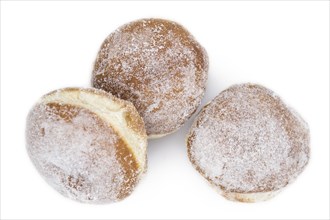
{"type": "Point", "coordinates": [159, 67]}
{"type": "Point", "coordinates": [248, 141]}
{"type": "Point", "coordinates": [80, 154]}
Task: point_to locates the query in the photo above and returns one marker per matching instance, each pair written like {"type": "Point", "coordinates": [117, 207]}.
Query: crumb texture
{"type": "Point", "coordinates": [159, 67]}
{"type": "Point", "coordinates": [247, 140]}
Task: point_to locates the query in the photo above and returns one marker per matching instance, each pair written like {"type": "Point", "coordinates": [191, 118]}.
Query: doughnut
{"type": "Point", "coordinates": [248, 143]}
{"type": "Point", "coordinates": [87, 144]}
{"type": "Point", "coordinates": [158, 66]}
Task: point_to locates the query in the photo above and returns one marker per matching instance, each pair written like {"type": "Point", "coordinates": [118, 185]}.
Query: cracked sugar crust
{"type": "Point", "coordinates": [158, 66]}
{"type": "Point", "coordinates": [78, 152]}
{"type": "Point", "coordinates": [247, 141]}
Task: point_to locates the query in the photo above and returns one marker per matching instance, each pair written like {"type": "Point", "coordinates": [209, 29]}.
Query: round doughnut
{"type": "Point", "coordinates": [248, 143]}
{"type": "Point", "coordinates": [158, 66]}
{"type": "Point", "coordinates": [87, 144]}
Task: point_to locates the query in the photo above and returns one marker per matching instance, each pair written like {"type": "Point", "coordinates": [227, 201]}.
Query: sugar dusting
{"type": "Point", "coordinates": [157, 65]}
{"type": "Point", "coordinates": [74, 156]}
{"type": "Point", "coordinates": [247, 140]}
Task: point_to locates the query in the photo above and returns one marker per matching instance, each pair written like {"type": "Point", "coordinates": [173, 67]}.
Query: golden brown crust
{"type": "Point", "coordinates": [131, 170]}
{"type": "Point", "coordinates": [65, 112]}
{"type": "Point", "coordinates": [158, 66]}
{"type": "Point", "coordinates": [248, 143]}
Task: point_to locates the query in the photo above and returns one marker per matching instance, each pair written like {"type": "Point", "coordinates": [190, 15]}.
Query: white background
{"type": "Point", "coordinates": [282, 45]}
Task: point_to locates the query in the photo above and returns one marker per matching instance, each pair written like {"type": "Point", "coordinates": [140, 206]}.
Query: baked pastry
{"type": "Point", "coordinates": [87, 144]}
{"type": "Point", "coordinates": [248, 143]}
{"type": "Point", "coordinates": [158, 66]}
